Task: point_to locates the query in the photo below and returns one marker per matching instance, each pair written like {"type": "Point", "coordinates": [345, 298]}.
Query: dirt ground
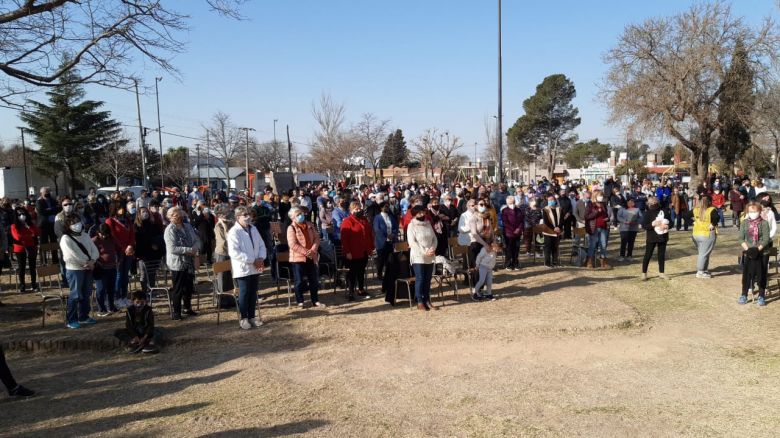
{"type": "Point", "coordinates": [566, 352]}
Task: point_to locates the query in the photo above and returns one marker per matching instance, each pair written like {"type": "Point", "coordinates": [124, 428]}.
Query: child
{"type": "Point", "coordinates": [139, 329]}
{"type": "Point", "coordinates": [486, 260]}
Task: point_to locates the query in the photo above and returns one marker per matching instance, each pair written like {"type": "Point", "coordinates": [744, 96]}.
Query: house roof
{"type": "Point", "coordinates": [216, 172]}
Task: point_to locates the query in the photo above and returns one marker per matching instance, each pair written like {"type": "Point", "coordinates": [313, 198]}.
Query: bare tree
{"type": "Point", "coordinates": [426, 149]}
{"type": "Point", "coordinates": [102, 38]}
{"type": "Point", "coordinates": [447, 150]}
{"type": "Point", "coordinates": [666, 75]}
{"type": "Point", "coordinates": [11, 156]}
{"type": "Point", "coordinates": [269, 156]}
{"type": "Point", "coordinates": [113, 161]}
{"type": "Point", "coordinates": [767, 121]}
{"type": "Point", "coordinates": [334, 151]}
{"type": "Point", "coordinates": [177, 168]}
{"type": "Point", "coordinates": [225, 141]}
{"type": "Point", "coordinates": [370, 134]}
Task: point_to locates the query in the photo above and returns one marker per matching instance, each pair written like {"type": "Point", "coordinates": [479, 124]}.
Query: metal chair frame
{"type": "Point", "coordinates": [50, 290]}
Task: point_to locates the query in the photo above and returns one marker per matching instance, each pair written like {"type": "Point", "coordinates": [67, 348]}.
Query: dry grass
{"type": "Point", "coordinates": [569, 352]}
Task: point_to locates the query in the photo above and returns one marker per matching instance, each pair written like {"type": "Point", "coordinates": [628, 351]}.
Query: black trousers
{"type": "Point", "coordinates": [749, 268]}
{"type": "Point", "coordinates": [627, 239]}
{"type": "Point", "coordinates": [5, 374]}
{"type": "Point", "coordinates": [551, 250]}
{"type": "Point", "coordinates": [26, 258]}
{"type": "Point", "coordinates": [390, 275]}
{"type": "Point", "coordinates": [382, 256]}
{"type": "Point", "coordinates": [568, 224]}
{"type": "Point", "coordinates": [649, 248]}
{"type": "Point", "coordinates": [474, 250]}
{"type": "Point", "coordinates": [356, 276]}
{"type": "Point", "coordinates": [183, 287]}
{"type": "Point", "coordinates": [680, 221]}
{"type": "Point", "coordinates": [47, 235]}
{"type": "Point", "coordinates": [512, 251]}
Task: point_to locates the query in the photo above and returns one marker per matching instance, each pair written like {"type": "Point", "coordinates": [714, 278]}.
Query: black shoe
{"type": "Point", "coordinates": [351, 297]}
{"type": "Point", "coordinates": [176, 317]}
{"type": "Point", "coordinates": [190, 312]}
{"type": "Point", "coordinates": [21, 391]}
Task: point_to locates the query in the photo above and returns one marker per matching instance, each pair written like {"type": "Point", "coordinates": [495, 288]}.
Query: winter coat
{"type": "Point", "coordinates": [357, 237]}
{"type": "Point", "coordinates": [244, 247]}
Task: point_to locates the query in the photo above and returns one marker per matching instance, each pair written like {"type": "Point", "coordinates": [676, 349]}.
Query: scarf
{"type": "Point", "coordinates": [753, 229]}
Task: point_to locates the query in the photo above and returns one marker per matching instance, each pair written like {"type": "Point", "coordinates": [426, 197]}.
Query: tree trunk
{"type": "Point", "coordinates": [71, 180]}
{"type": "Point", "coordinates": [700, 163]}
{"type": "Point", "coordinates": [777, 157]}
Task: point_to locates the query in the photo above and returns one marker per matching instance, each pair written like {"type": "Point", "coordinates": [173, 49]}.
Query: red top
{"type": "Point", "coordinates": [357, 237]}
{"type": "Point", "coordinates": [718, 199]}
{"type": "Point", "coordinates": [123, 235]}
{"type": "Point", "coordinates": [24, 237]}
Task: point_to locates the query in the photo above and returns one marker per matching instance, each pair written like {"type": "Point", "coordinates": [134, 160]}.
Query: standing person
{"type": "Point", "coordinates": [719, 201]}
{"type": "Point", "coordinates": [182, 246]}
{"type": "Point", "coordinates": [123, 231]}
{"type": "Point", "coordinates": [47, 209]}
{"type": "Point", "coordinates": [221, 253]}
{"type": "Point", "coordinates": [14, 389]}
{"type": "Point", "coordinates": [480, 231]}
{"type": "Point", "coordinates": [629, 219]}
{"type": "Point", "coordinates": [357, 243]}
{"type": "Point", "coordinates": [754, 238]}
{"type": "Point", "coordinates": [567, 213]}
{"type": "Point", "coordinates": [326, 218]}
{"type": "Point", "coordinates": [679, 209]}
{"type": "Point", "coordinates": [552, 232]}
{"type": "Point", "coordinates": [452, 213]}
{"type": "Point", "coordinates": [422, 251]}
{"type": "Point", "coordinates": [385, 236]}
{"type": "Point", "coordinates": [25, 237]}
{"type": "Point", "coordinates": [738, 201]}
{"type": "Point", "coordinates": [203, 222]}
{"type": "Point", "coordinates": [597, 226]}
{"type": "Point", "coordinates": [533, 215]}
{"type": "Point", "coordinates": [247, 259]}
{"type": "Point", "coordinates": [514, 222]}
{"type": "Point", "coordinates": [486, 261]}
{"type": "Point", "coordinates": [616, 202]}
{"type": "Point", "coordinates": [657, 227]}
{"type": "Point", "coordinates": [705, 233]}
{"type": "Point", "coordinates": [150, 248]}
{"type": "Point", "coordinates": [79, 255]}
{"type": "Point", "coordinates": [304, 244]}
{"type": "Point", "coordinates": [464, 221]}
{"type": "Point", "coordinates": [105, 270]}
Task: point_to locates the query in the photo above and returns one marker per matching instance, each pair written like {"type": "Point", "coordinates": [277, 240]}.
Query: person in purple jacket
{"type": "Point", "coordinates": [513, 220]}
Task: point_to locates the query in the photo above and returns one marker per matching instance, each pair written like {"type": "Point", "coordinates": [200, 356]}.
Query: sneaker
{"type": "Point", "coordinates": [244, 324]}
{"type": "Point", "coordinates": [761, 301]}
{"type": "Point", "coordinates": [475, 297]}
{"type": "Point", "coordinates": [703, 274]}
{"type": "Point", "coordinates": [301, 306]}
{"type": "Point", "coordinates": [644, 276]}
{"type": "Point", "coordinates": [742, 299]}
{"type": "Point", "coordinates": [103, 314]}
{"type": "Point", "coordinates": [176, 317]}
{"type": "Point", "coordinates": [620, 259]}
{"type": "Point", "coordinates": [663, 276]}
{"type": "Point", "coordinates": [150, 349]}
{"type": "Point", "coordinates": [88, 321]}
{"type": "Point", "coordinates": [189, 312]}
{"type": "Point", "coordinates": [320, 305]}
{"type": "Point", "coordinates": [21, 391]}
{"type": "Point", "coordinates": [254, 322]}
{"type": "Point", "coordinates": [489, 298]}
{"type": "Point", "coordinates": [364, 294]}
{"type": "Point", "coordinates": [73, 325]}
{"type": "Point", "coordinates": [133, 349]}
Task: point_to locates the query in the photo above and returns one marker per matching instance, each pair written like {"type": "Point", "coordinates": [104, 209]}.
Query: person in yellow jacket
{"type": "Point", "coordinates": [705, 233]}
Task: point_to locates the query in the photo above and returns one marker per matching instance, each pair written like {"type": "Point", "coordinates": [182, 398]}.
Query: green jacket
{"type": "Point", "coordinates": [763, 234]}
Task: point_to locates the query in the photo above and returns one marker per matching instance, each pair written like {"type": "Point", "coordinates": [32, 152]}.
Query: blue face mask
{"type": "Point", "coordinates": [552, 203]}
{"type": "Point", "coordinates": [300, 218]}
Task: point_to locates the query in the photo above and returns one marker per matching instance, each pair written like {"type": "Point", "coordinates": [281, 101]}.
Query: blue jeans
{"type": "Point", "coordinates": [423, 273]}
{"type": "Point", "coordinates": [105, 284]}
{"type": "Point", "coordinates": [247, 295]}
{"type": "Point", "coordinates": [600, 238]}
{"type": "Point", "coordinates": [122, 276]}
{"type": "Point", "coordinates": [722, 217]}
{"type": "Point", "coordinates": [309, 270]}
{"type": "Point", "coordinates": [80, 292]}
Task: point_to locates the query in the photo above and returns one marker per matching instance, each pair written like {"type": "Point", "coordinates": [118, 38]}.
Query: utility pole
{"type": "Point", "coordinates": [246, 162]}
{"type": "Point", "coordinates": [275, 120]}
{"type": "Point", "coordinates": [142, 135]}
{"type": "Point", "coordinates": [289, 151]}
{"type": "Point", "coordinates": [197, 161]}
{"type": "Point", "coordinates": [208, 165]}
{"type": "Point", "coordinates": [159, 130]}
{"type": "Point", "coordinates": [500, 115]}
{"type": "Point", "coordinates": [24, 160]}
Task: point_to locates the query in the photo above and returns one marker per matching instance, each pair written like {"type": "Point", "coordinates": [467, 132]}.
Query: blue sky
{"type": "Point", "coordinates": [421, 64]}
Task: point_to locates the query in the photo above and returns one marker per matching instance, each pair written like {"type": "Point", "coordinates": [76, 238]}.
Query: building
{"type": "Point", "coordinates": [214, 177]}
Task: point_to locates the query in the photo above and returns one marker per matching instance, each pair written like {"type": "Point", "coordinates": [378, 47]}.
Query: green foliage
{"type": "Point", "coordinates": [545, 128]}
{"type": "Point", "coordinates": [70, 131]}
{"type": "Point", "coordinates": [395, 152]}
{"type": "Point", "coordinates": [637, 166]}
{"type": "Point", "coordinates": [584, 154]}
{"type": "Point", "coordinates": [736, 104]}
{"type": "Point", "coordinates": [667, 155]}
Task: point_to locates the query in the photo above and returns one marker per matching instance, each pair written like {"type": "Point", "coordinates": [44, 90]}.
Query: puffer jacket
{"type": "Point", "coordinates": [297, 242]}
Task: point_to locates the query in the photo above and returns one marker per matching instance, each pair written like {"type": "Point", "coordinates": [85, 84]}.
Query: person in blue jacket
{"type": "Point", "coordinates": [385, 235]}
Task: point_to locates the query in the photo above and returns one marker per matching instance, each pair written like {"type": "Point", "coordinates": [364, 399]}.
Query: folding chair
{"type": "Point", "coordinates": [579, 247]}
{"type": "Point", "coordinates": [217, 269]}
{"type": "Point", "coordinates": [442, 277]}
{"type": "Point", "coordinates": [452, 242]}
{"type": "Point", "coordinates": [405, 275]}
{"type": "Point", "coordinates": [537, 244]}
{"type": "Point", "coordinates": [773, 276]}
{"type": "Point", "coordinates": [45, 250]}
{"type": "Point", "coordinates": [50, 290]}
{"type": "Point", "coordinates": [284, 273]}
{"type": "Point", "coordinates": [468, 272]}
{"type": "Point", "coordinates": [155, 289]}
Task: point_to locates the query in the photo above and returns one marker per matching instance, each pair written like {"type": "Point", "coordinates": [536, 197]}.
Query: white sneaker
{"type": "Point", "coordinates": [254, 322]}
{"type": "Point", "coordinates": [620, 259]}
{"type": "Point", "coordinates": [320, 305]}
{"type": "Point", "coordinates": [244, 324]}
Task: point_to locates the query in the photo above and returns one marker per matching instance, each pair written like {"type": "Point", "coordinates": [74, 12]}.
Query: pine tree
{"type": "Point", "coordinates": [70, 131]}
{"type": "Point", "coordinates": [735, 106]}
{"type": "Point", "coordinates": [395, 152]}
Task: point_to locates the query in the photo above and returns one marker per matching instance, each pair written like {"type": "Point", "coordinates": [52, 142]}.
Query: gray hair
{"type": "Point", "coordinates": [295, 211]}
{"type": "Point", "coordinates": [174, 210]}
{"type": "Point", "coordinates": [241, 210]}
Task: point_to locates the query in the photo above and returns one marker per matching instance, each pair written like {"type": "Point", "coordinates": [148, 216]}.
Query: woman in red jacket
{"type": "Point", "coordinates": [25, 235]}
{"type": "Point", "coordinates": [123, 231]}
{"type": "Point", "coordinates": [357, 243]}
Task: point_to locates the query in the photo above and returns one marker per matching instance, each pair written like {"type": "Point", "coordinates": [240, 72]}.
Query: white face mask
{"type": "Point", "coordinates": [447, 203]}
{"type": "Point", "coordinates": [481, 208]}
{"type": "Point", "coordinates": [753, 215]}
{"type": "Point", "coordinates": [77, 227]}
{"type": "Point", "coordinates": [67, 209]}
{"type": "Point", "coordinates": [22, 217]}
{"type": "Point", "coordinates": [599, 199]}
{"type": "Point", "coordinates": [512, 205]}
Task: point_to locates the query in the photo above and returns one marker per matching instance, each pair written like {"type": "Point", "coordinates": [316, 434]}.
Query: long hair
{"type": "Point", "coordinates": [704, 204]}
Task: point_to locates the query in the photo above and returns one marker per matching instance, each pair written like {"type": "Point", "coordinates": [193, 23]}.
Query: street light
{"type": "Point", "coordinates": [159, 129]}
{"type": "Point", "coordinates": [246, 163]}
{"type": "Point", "coordinates": [275, 120]}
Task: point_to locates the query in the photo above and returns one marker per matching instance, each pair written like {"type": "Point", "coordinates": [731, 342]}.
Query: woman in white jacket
{"type": "Point", "coordinates": [247, 255]}
{"type": "Point", "coordinates": [79, 254]}
{"type": "Point", "coordinates": [422, 251]}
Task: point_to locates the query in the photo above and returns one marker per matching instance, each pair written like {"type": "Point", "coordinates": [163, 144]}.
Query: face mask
{"type": "Point", "coordinates": [76, 228]}
{"type": "Point", "coordinates": [358, 213]}
{"type": "Point", "coordinates": [144, 216]}
{"type": "Point", "coordinates": [435, 207]}
{"type": "Point", "coordinates": [552, 203]}
{"type": "Point", "coordinates": [131, 210]}
{"type": "Point", "coordinates": [67, 209]}
{"type": "Point", "coordinates": [300, 218]}
{"type": "Point", "coordinates": [717, 192]}
{"type": "Point", "coordinates": [753, 215]}
{"type": "Point", "coordinates": [481, 208]}
{"type": "Point", "coordinates": [22, 217]}
{"type": "Point", "coordinates": [138, 305]}
{"type": "Point", "coordinates": [447, 203]}
{"type": "Point", "coordinates": [510, 205]}
{"type": "Point", "coordinates": [420, 218]}
{"type": "Point", "coordinates": [206, 210]}
{"type": "Point", "coordinates": [599, 199]}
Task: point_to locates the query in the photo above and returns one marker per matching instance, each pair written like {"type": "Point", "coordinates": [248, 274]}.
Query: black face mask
{"type": "Point", "coordinates": [359, 213]}
{"type": "Point", "coordinates": [435, 207]}
{"type": "Point", "coordinates": [420, 218]}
